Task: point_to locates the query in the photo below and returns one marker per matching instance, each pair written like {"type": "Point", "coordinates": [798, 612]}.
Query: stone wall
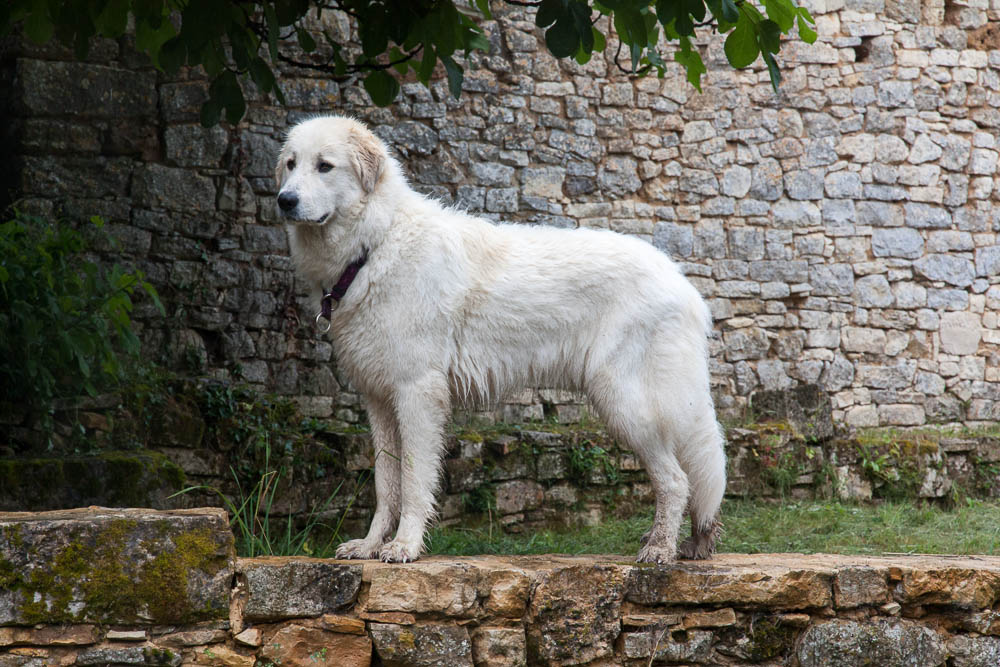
{"type": "Point", "coordinates": [843, 231]}
{"type": "Point", "coordinates": [136, 587]}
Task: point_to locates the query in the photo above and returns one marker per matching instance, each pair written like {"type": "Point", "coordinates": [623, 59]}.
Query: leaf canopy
{"type": "Point", "coordinates": [243, 41]}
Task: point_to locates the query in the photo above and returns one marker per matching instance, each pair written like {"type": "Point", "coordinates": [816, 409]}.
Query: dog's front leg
{"type": "Point", "coordinates": [385, 440]}
{"type": "Point", "coordinates": [421, 411]}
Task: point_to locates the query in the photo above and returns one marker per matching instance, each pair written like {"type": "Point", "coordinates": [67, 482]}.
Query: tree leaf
{"type": "Point", "coordinates": [113, 19]}
{"type": "Point", "coordinates": [741, 45]}
{"type": "Point", "coordinates": [211, 112]}
{"type": "Point", "coordinates": [806, 33]}
{"type": "Point", "coordinates": [730, 12]}
{"type": "Point", "coordinates": [261, 74]}
{"type": "Point", "coordinates": [772, 69]}
{"type": "Point", "coordinates": [781, 12]}
{"type": "Point", "coordinates": [549, 11]}
{"type": "Point", "coordinates": [306, 40]}
{"type": "Point", "coordinates": [455, 76]}
{"type": "Point", "coordinates": [690, 59]}
{"type": "Point", "coordinates": [562, 39]}
{"type": "Point", "coordinates": [769, 36]}
{"type": "Point", "coordinates": [273, 29]}
{"type": "Point", "coordinates": [382, 87]}
{"type": "Point", "coordinates": [427, 64]}
{"type": "Point", "coordinates": [38, 25]}
{"type": "Point", "coordinates": [580, 12]}
{"type": "Point", "coordinates": [600, 43]}
{"type": "Point", "coordinates": [172, 55]}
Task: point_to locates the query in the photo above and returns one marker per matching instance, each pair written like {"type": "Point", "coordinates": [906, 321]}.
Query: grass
{"type": "Point", "coordinates": [760, 527]}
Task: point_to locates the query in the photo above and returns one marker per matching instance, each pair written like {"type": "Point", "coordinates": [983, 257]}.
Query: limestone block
{"type": "Point", "coordinates": [296, 644]}
{"type": "Point", "coordinates": [543, 182]}
{"type": "Point", "coordinates": [575, 613]}
{"type": "Point", "coordinates": [429, 645]}
{"type": "Point", "coordinates": [892, 643]}
{"type": "Point", "coordinates": [291, 587]}
{"type": "Point", "coordinates": [860, 585]}
{"type": "Point", "coordinates": [53, 88]}
{"type": "Point", "coordinates": [772, 584]}
{"type": "Point", "coordinates": [974, 651]}
{"type": "Point", "coordinates": [499, 647]}
{"type": "Point", "coordinates": [897, 242]}
{"type": "Point", "coordinates": [447, 588]}
{"type": "Point", "coordinates": [960, 332]}
{"type": "Point", "coordinates": [947, 268]}
{"type": "Point", "coordinates": [128, 566]}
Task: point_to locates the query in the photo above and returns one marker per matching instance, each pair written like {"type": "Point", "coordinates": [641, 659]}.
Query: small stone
{"type": "Point", "coordinates": [345, 624]}
{"type": "Point", "coordinates": [421, 645]}
{"type": "Point", "coordinates": [710, 619]}
{"type": "Point", "coordinates": [126, 635]}
{"type": "Point", "coordinates": [250, 637]}
{"type": "Point", "coordinates": [856, 586]}
{"type": "Point", "coordinates": [499, 647]}
{"type": "Point", "coordinates": [221, 656]}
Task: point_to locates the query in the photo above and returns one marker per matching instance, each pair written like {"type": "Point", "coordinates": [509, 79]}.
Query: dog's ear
{"type": "Point", "coordinates": [368, 157]}
{"type": "Point", "coordinates": [279, 168]}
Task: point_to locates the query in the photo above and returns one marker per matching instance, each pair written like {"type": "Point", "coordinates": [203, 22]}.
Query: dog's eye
{"type": "Point", "coordinates": [324, 167]}
{"type": "Point", "coordinates": [291, 165]}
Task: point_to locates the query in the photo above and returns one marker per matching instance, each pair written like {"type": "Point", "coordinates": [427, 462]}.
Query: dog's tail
{"type": "Point", "coordinates": [704, 461]}
{"type": "Point", "coordinates": [702, 452]}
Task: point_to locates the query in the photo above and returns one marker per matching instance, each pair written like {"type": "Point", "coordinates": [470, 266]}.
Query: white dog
{"type": "Point", "coordinates": [427, 304]}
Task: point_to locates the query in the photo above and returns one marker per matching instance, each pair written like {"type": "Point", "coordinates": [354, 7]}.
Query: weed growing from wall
{"type": "Point", "coordinates": [65, 320]}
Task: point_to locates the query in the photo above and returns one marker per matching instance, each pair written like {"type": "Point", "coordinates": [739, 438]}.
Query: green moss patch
{"type": "Point", "coordinates": [122, 571]}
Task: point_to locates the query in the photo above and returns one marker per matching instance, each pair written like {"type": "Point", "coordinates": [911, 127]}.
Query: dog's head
{"type": "Point", "coordinates": [328, 165]}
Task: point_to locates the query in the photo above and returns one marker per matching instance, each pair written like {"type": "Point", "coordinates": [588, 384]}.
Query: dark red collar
{"type": "Point", "coordinates": [343, 284]}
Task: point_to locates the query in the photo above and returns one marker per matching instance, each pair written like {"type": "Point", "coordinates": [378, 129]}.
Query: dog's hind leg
{"type": "Point", "coordinates": [632, 418]}
{"type": "Point", "coordinates": [422, 408]}
{"type": "Point", "coordinates": [385, 440]}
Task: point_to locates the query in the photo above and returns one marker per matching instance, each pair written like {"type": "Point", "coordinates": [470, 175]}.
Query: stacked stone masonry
{"type": "Point", "coordinates": [185, 599]}
{"type": "Point", "coordinates": [844, 231]}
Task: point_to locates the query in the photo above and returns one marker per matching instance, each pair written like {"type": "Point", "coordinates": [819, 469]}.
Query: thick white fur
{"type": "Point", "coordinates": [450, 306]}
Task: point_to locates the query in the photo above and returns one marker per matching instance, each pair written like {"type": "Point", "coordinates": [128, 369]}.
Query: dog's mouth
{"type": "Point", "coordinates": [321, 219]}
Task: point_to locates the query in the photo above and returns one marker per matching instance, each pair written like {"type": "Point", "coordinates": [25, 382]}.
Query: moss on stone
{"type": "Point", "coordinates": [769, 639]}
{"type": "Point", "coordinates": [163, 583]}
{"type": "Point", "coordinates": [93, 579]}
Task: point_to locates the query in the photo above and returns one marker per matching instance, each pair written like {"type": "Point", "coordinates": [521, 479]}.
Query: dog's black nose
{"type": "Point", "coordinates": [287, 201]}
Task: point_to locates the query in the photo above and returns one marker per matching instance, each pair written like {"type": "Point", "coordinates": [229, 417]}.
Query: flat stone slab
{"type": "Point", "coordinates": [115, 566]}
{"type": "Point", "coordinates": [787, 581]}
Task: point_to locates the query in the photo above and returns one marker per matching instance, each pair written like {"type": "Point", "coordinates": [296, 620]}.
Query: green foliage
{"type": "Point", "coordinates": [241, 41]}
{"type": "Point", "coordinates": [586, 459]}
{"type": "Point", "coordinates": [65, 321]}
{"type": "Point", "coordinates": [258, 533]}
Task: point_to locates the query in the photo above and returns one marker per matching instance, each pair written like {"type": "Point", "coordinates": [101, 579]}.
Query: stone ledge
{"type": "Point", "coordinates": [738, 609]}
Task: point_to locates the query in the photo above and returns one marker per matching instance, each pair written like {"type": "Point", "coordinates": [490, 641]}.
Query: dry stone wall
{"type": "Point", "coordinates": [181, 597]}
{"type": "Point", "coordinates": [844, 231]}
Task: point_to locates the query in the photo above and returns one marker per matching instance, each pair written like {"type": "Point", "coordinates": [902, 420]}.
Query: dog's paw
{"type": "Point", "coordinates": [693, 549]}
{"type": "Point", "coordinates": [359, 549]}
{"type": "Point", "coordinates": [399, 552]}
{"type": "Point", "coordinates": [652, 553]}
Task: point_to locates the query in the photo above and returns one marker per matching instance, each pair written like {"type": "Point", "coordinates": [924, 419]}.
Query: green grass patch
{"type": "Point", "coordinates": [761, 527]}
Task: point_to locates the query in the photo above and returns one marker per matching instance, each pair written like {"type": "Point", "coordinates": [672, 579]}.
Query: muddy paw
{"type": "Point", "coordinates": [399, 552]}
{"type": "Point", "coordinates": [359, 549]}
{"type": "Point", "coordinates": [696, 549]}
{"type": "Point", "coordinates": [656, 554]}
